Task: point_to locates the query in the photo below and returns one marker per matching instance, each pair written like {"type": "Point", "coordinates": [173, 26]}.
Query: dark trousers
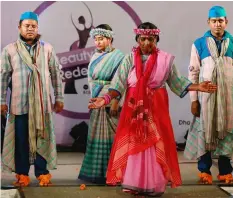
{"type": "Point", "coordinates": [224, 164]}
{"type": "Point", "coordinates": [22, 164]}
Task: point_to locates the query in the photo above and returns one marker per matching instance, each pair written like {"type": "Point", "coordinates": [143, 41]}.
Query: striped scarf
{"type": "Point", "coordinates": [36, 112]}
{"type": "Point", "coordinates": [215, 122]}
{"type": "Point", "coordinates": [139, 102]}
{"type": "Point", "coordinates": [102, 69]}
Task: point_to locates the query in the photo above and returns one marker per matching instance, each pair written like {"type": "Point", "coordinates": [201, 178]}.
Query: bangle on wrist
{"type": "Point", "coordinates": [107, 99]}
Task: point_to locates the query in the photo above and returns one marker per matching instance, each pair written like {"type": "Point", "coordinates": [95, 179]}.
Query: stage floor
{"type": "Point", "coordinates": [66, 184]}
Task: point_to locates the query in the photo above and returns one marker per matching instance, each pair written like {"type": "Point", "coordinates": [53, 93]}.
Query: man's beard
{"type": "Point", "coordinates": [31, 39]}
{"type": "Point", "coordinates": [219, 32]}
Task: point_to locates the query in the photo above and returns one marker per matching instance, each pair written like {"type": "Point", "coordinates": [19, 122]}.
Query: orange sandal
{"type": "Point", "coordinates": [205, 178]}
{"type": "Point", "coordinates": [228, 179]}
{"type": "Point", "coordinates": [22, 180]}
{"type": "Point", "coordinates": [44, 180]}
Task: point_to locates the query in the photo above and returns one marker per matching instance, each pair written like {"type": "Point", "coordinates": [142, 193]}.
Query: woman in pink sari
{"type": "Point", "coordinates": [143, 157]}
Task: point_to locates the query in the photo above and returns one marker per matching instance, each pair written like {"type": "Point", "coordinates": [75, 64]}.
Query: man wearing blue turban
{"type": "Point", "coordinates": [29, 63]}
{"type": "Point", "coordinates": [211, 132]}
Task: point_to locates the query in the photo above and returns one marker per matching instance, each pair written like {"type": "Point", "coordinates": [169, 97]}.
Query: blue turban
{"type": "Point", "coordinates": [29, 15]}
{"type": "Point", "coordinates": [217, 12]}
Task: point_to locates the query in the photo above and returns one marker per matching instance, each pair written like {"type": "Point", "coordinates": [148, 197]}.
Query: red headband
{"type": "Point", "coordinates": [147, 31]}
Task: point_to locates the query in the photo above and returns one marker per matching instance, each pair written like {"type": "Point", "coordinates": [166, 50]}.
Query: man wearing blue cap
{"type": "Point", "coordinates": [211, 132]}
{"type": "Point", "coordinates": [30, 65]}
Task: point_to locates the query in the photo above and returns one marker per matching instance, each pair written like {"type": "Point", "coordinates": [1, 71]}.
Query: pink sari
{"type": "Point", "coordinates": [146, 166]}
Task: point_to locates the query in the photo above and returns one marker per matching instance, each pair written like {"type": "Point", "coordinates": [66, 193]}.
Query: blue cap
{"type": "Point", "coordinates": [217, 12]}
{"type": "Point", "coordinates": [29, 15]}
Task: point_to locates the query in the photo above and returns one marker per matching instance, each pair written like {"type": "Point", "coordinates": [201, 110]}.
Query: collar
{"type": "Point", "coordinates": [225, 35]}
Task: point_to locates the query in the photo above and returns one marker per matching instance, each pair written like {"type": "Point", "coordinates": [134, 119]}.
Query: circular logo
{"type": "Point", "coordinates": [77, 21]}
